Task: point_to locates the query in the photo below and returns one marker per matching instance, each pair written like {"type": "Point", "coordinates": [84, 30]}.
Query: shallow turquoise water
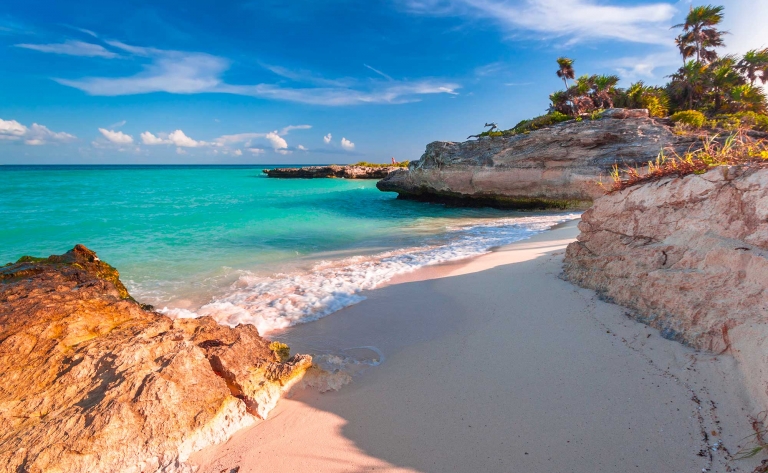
{"type": "Point", "coordinates": [176, 230]}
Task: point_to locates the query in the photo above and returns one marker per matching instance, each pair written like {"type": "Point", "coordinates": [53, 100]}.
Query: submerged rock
{"type": "Point", "coordinates": [555, 167]}
{"type": "Point", "coordinates": [347, 172]}
{"type": "Point", "coordinates": [690, 255]}
{"type": "Point", "coordinates": [94, 382]}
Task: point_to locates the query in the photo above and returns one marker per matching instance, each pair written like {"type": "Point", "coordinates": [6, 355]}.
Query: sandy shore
{"type": "Point", "coordinates": [497, 365]}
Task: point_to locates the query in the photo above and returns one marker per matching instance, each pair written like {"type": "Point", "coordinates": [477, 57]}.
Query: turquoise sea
{"type": "Point", "coordinates": [226, 241]}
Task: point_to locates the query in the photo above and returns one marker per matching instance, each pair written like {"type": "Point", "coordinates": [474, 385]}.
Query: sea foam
{"type": "Point", "coordinates": [283, 300]}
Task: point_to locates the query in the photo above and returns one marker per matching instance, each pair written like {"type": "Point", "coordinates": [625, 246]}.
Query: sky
{"type": "Point", "coordinates": [309, 81]}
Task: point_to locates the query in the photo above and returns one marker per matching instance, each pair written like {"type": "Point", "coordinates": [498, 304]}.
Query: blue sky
{"type": "Point", "coordinates": [308, 81]}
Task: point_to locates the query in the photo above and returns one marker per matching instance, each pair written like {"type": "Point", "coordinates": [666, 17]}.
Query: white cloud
{"type": "Point", "coordinates": [180, 139]}
{"type": "Point", "coordinates": [327, 138]}
{"type": "Point", "coordinates": [301, 148]}
{"type": "Point", "coordinates": [237, 152]}
{"type": "Point", "coordinates": [72, 48]}
{"type": "Point", "coordinates": [149, 139]}
{"type": "Point", "coordinates": [180, 151]}
{"type": "Point", "coordinates": [180, 72]}
{"type": "Point", "coordinates": [745, 20]}
{"type": "Point", "coordinates": [290, 128]}
{"type": "Point", "coordinates": [574, 19]}
{"type": "Point", "coordinates": [118, 124]}
{"type": "Point", "coordinates": [11, 130]}
{"type": "Point", "coordinates": [117, 137]}
{"type": "Point", "coordinates": [346, 144]}
{"type": "Point", "coordinates": [255, 151]}
{"type": "Point", "coordinates": [277, 141]}
{"type": "Point", "coordinates": [283, 151]}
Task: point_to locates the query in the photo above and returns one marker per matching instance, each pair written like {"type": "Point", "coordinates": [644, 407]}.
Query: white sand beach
{"type": "Point", "coordinates": [497, 365]}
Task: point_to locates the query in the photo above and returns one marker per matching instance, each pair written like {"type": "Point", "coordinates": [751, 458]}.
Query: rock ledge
{"type": "Point", "coordinates": [94, 382]}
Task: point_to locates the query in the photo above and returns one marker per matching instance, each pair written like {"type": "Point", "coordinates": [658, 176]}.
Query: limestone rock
{"type": "Point", "coordinates": [555, 167]}
{"type": "Point", "coordinates": [347, 172]}
{"type": "Point", "coordinates": [93, 382]}
{"type": "Point", "coordinates": [690, 255]}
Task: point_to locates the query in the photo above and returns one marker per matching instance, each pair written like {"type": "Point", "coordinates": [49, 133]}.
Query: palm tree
{"type": "Point", "coordinates": [700, 32]}
{"type": "Point", "coordinates": [754, 66]}
{"type": "Point", "coordinates": [566, 70]}
{"type": "Point", "coordinates": [722, 77]}
{"type": "Point", "coordinates": [603, 89]}
{"type": "Point", "coordinates": [560, 103]}
{"type": "Point", "coordinates": [746, 98]}
{"type": "Point", "coordinates": [687, 85]}
{"type": "Point", "coordinates": [686, 50]}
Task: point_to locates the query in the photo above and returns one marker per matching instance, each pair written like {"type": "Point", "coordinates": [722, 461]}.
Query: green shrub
{"type": "Point", "coordinates": [281, 350]}
{"type": "Point", "coordinates": [538, 123]}
{"type": "Point", "coordinates": [734, 121]}
{"type": "Point", "coordinates": [691, 118]}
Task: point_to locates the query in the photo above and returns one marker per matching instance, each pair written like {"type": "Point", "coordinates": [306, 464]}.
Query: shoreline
{"type": "Point", "coordinates": [495, 363]}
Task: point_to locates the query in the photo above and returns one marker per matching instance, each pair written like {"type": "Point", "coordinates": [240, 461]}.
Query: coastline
{"type": "Point", "coordinates": [499, 365]}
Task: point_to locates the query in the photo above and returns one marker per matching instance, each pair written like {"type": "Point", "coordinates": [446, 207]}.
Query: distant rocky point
{"type": "Point", "coordinates": [93, 381]}
{"type": "Point", "coordinates": [346, 172]}
{"type": "Point", "coordinates": [554, 167]}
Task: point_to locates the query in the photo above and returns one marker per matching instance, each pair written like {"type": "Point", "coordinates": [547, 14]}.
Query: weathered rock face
{"type": "Point", "coordinates": [347, 172]}
{"type": "Point", "coordinates": [690, 255]}
{"type": "Point", "coordinates": [555, 167]}
{"type": "Point", "coordinates": [93, 382]}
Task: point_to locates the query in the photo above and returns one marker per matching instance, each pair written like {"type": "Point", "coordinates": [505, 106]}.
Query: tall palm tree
{"type": "Point", "coordinates": [754, 66]}
{"type": "Point", "coordinates": [700, 32]}
{"type": "Point", "coordinates": [566, 70]}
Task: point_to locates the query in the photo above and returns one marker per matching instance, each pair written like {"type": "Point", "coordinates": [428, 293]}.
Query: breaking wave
{"type": "Point", "coordinates": [283, 300]}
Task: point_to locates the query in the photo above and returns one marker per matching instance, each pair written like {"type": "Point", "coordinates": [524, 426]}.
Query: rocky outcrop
{"type": "Point", "coordinates": [556, 167]}
{"type": "Point", "coordinates": [347, 172]}
{"type": "Point", "coordinates": [690, 255]}
{"type": "Point", "coordinates": [94, 382]}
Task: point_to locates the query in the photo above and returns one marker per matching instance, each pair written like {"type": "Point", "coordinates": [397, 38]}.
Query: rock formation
{"type": "Point", "coordinates": [347, 172]}
{"type": "Point", "coordinates": [690, 255]}
{"type": "Point", "coordinates": [556, 167]}
{"type": "Point", "coordinates": [92, 381]}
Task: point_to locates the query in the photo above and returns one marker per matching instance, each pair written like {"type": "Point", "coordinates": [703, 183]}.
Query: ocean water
{"type": "Point", "coordinates": [228, 242]}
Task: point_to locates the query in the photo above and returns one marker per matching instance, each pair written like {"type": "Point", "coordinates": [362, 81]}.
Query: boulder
{"type": "Point", "coordinates": [557, 167]}
{"type": "Point", "coordinates": [690, 256]}
{"type": "Point", "coordinates": [93, 381]}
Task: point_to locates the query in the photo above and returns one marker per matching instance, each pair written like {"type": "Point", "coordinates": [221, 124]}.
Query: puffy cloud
{"type": "Point", "coordinates": [11, 130]}
{"type": "Point", "coordinates": [255, 151]}
{"type": "Point", "coordinates": [117, 137]}
{"type": "Point", "coordinates": [177, 138]}
{"type": "Point", "coordinates": [149, 139]}
{"type": "Point", "coordinates": [180, 151]}
{"type": "Point", "coordinates": [346, 144]}
{"type": "Point", "coordinates": [237, 152]}
{"type": "Point", "coordinates": [277, 141]}
{"type": "Point", "coordinates": [180, 139]}
{"type": "Point", "coordinates": [71, 48]}
{"type": "Point", "coordinates": [327, 138]}
{"type": "Point", "coordinates": [302, 148]}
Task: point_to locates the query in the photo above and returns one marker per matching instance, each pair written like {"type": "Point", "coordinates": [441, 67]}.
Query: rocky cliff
{"type": "Point", "coordinates": [347, 172]}
{"type": "Point", "coordinates": [94, 382]}
{"type": "Point", "coordinates": [690, 255]}
{"type": "Point", "coordinates": [556, 167]}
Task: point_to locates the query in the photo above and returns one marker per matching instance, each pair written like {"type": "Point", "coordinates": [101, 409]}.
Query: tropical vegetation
{"type": "Point", "coordinates": [725, 92]}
